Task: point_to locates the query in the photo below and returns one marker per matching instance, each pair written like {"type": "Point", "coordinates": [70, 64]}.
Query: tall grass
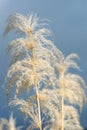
{"type": "Point", "coordinates": [36, 63]}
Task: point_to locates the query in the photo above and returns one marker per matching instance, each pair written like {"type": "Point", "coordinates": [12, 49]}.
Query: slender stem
{"type": "Point", "coordinates": [62, 113]}
{"type": "Point", "coordinates": [38, 105]}
{"type": "Point", "coordinates": [61, 117]}
{"type": "Point", "coordinates": [37, 93]}
{"type": "Point", "coordinates": [62, 102]}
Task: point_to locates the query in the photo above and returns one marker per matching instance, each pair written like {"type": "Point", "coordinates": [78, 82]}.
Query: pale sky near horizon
{"type": "Point", "coordinates": [68, 22]}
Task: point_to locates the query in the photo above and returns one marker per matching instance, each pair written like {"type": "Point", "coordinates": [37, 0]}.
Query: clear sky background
{"type": "Point", "coordinates": [68, 21]}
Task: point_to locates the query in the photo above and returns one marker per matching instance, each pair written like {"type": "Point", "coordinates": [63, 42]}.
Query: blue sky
{"type": "Point", "coordinates": [68, 21]}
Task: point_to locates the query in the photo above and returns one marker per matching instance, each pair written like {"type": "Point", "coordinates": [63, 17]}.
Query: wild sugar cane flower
{"type": "Point", "coordinates": [31, 64]}
{"type": "Point", "coordinates": [69, 86]}
{"type": "Point", "coordinates": [37, 63]}
{"type": "Point", "coordinates": [9, 124]}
